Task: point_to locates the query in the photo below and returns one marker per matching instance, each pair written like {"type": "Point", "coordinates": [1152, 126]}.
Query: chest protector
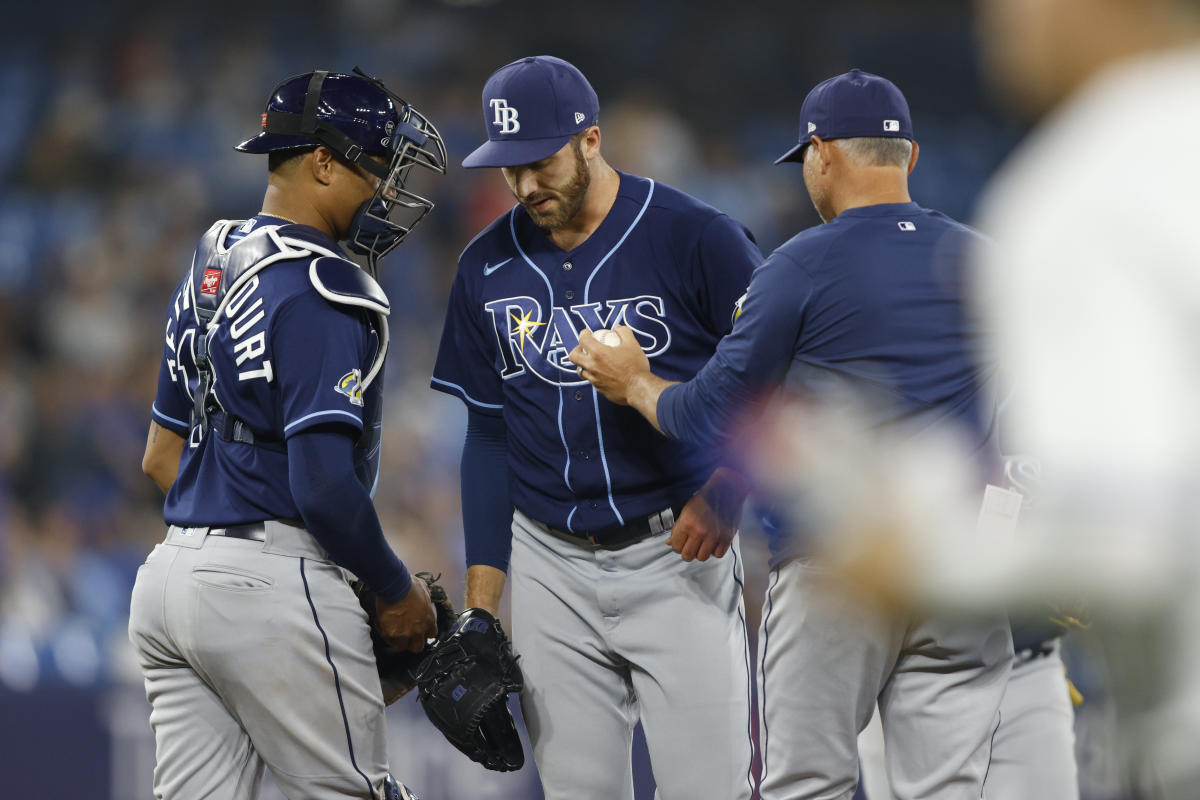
{"type": "Point", "coordinates": [218, 271]}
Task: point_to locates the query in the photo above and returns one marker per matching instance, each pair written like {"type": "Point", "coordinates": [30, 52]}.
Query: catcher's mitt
{"type": "Point", "coordinates": [398, 668]}
{"type": "Point", "coordinates": [464, 684]}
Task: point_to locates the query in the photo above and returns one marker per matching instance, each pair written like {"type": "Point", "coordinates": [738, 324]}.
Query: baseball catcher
{"type": "Point", "coordinates": [464, 681]}
{"type": "Point", "coordinates": [269, 486]}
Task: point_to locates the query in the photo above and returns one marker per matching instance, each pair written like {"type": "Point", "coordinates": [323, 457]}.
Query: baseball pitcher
{"type": "Point", "coordinates": [605, 528]}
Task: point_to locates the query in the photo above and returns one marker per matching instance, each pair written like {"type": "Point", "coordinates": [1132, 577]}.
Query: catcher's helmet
{"type": "Point", "coordinates": [357, 117]}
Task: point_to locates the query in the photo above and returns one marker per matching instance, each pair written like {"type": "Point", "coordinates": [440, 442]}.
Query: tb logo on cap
{"type": "Point", "coordinates": [505, 115]}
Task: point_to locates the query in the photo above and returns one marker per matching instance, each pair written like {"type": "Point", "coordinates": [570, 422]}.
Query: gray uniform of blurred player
{"type": "Point", "coordinates": [1033, 751]}
{"type": "Point", "coordinates": [1095, 310]}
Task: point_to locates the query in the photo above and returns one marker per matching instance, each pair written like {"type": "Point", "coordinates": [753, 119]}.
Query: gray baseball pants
{"type": "Point", "coordinates": [610, 636]}
{"type": "Point", "coordinates": [1033, 754]}
{"type": "Point", "coordinates": [256, 655]}
{"type": "Point", "coordinates": [826, 660]}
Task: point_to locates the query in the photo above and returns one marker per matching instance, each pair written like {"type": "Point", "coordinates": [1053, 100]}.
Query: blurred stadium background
{"type": "Point", "coordinates": [116, 154]}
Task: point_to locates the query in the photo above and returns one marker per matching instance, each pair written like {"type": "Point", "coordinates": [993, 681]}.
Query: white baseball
{"type": "Point", "coordinates": [608, 337]}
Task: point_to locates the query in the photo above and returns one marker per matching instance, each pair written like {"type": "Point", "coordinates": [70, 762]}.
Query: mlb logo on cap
{"type": "Point", "coordinates": [851, 105]}
{"type": "Point", "coordinates": [532, 108]}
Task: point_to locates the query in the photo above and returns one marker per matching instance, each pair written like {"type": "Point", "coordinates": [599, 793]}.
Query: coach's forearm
{"type": "Point", "coordinates": [643, 394]}
{"type": "Point", "coordinates": [485, 587]}
{"type": "Point", "coordinates": [705, 409]}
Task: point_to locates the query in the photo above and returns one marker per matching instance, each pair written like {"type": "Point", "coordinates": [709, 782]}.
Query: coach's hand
{"type": "Point", "coordinates": [708, 523]}
{"type": "Point", "coordinates": [612, 368]}
{"type": "Point", "coordinates": [407, 624]}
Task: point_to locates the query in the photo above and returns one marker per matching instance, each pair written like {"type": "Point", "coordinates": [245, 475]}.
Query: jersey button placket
{"type": "Point", "coordinates": [569, 294]}
{"type": "Point", "coordinates": [567, 266]}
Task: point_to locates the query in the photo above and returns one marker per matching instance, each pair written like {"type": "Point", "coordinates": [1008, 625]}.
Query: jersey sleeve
{"type": "Point", "coordinates": [321, 353]}
{"type": "Point", "coordinates": [749, 363]}
{"type": "Point", "coordinates": [172, 406]}
{"type": "Point", "coordinates": [726, 257]}
{"type": "Point", "coordinates": [466, 359]}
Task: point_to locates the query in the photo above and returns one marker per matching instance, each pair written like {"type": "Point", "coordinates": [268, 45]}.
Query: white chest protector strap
{"type": "Point", "coordinates": [344, 283]}
{"type": "Point", "coordinates": [219, 272]}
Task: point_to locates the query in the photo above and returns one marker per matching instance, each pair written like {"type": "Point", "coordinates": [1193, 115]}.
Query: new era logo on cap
{"type": "Point", "coordinates": [579, 117]}
{"type": "Point", "coordinates": [812, 126]}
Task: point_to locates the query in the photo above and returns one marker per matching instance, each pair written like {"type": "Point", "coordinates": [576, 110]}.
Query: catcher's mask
{"type": "Point", "coordinates": [357, 117]}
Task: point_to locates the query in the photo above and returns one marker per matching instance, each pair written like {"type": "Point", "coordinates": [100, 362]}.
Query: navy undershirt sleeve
{"type": "Point", "coordinates": [487, 507]}
{"type": "Point", "coordinates": [337, 509]}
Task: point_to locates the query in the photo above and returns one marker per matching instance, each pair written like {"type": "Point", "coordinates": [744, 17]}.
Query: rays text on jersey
{"type": "Point", "coordinates": [530, 341]}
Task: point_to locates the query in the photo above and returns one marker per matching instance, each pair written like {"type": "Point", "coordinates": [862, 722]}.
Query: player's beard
{"type": "Point", "coordinates": [569, 198]}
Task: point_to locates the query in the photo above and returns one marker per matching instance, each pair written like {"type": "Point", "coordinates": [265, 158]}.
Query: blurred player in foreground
{"type": "Point", "coordinates": [1095, 305]}
{"type": "Point", "coordinates": [1094, 294]}
{"type": "Point", "coordinates": [866, 309]}
{"type": "Point", "coordinates": [618, 611]}
{"type": "Point", "coordinates": [255, 650]}
{"type": "Point", "coordinates": [1033, 751]}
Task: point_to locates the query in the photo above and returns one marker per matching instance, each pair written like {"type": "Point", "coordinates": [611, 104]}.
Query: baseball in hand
{"type": "Point", "coordinates": [608, 337]}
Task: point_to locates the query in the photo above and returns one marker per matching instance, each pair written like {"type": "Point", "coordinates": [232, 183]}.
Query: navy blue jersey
{"type": "Point", "coordinates": [284, 359]}
{"type": "Point", "coordinates": [661, 262]}
{"type": "Point", "coordinates": [870, 305]}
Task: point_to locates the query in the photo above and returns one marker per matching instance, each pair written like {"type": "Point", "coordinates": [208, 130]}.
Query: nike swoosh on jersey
{"type": "Point", "coordinates": [488, 270]}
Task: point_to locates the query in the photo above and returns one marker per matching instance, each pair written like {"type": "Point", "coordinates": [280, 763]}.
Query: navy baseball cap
{"type": "Point", "coordinates": [851, 105]}
{"type": "Point", "coordinates": [531, 108]}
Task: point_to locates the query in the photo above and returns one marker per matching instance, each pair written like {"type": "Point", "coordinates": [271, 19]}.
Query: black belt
{"type": "Point", "coordinates": [255, 531]}
{"type": "Point", "coordinates": [621, 536]}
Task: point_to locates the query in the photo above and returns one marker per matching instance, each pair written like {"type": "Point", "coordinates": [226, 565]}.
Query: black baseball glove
{"type": "Point", "coordinates": [464, 684]}
{"type": "Point", "coordinates": [398, 668]}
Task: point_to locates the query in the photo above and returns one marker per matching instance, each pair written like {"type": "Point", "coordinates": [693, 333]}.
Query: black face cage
{"type": "Point", "coordinates": [414, 141]}
{"type": "Point", "coordinates": [395, 210]}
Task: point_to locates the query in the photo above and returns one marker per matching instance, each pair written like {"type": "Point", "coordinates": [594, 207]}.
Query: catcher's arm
{"type": "Point", "coordinates": [337, 510]}
{"type": "Point", "coordinates": [407, 624]}
{"type": "Point", "coordinates": [395, 658]}
{"type": "Point", "coordinates": [161, 459]}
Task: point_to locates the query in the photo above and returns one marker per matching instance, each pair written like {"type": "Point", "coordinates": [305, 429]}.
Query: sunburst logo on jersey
{"type": "Point", "coordinates": [737, 307]}
{"type": "Point", "coordinates": [523, 325]}
{"type": "Point", "coordinates": [350, 385]}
